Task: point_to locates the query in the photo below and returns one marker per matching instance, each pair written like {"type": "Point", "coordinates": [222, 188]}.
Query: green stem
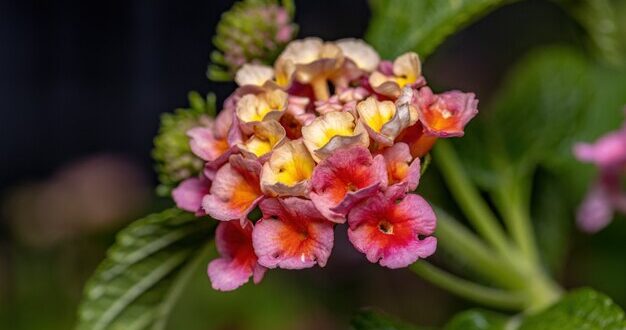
{"type": "Point", "coordinates": [460, 242]}
{"type": "Point", "coordinates": [469, 290]}
{"type": "Point", "coordinates": [510, 202]}
{"type": "Point", "coordinates": [469, 198]}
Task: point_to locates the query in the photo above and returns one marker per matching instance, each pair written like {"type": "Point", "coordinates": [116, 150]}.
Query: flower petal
{"type": "Point", "coordinates": [267, 135]}
{"type": "Point", "coordinates": [386, 228]}
{"type": "Point", "coordinates": [288, 170]}
{"type": "Point", "coordinates": [237, 262]}
{"type": "Point", "coordinates": [332, 131]}
{"type": "Point", "coordinates": [445, 115]}
{"type": "Point", "coordinates": [235, 191]}
{"type": "Point", "coordinates": [254, 108]}
{"type": "Point", "coordinates": [608, 152]}
{"type": "Point", "coordinates": [253, 74]}
{"type": "Point", "coordinates": [401, 167]}
{"type": "Point", "coordinates": [292, 234]}
{"type": "Point", "coordinates": [346, 177]}
{"type": "Point", "coordinates": [189, 193]}
{"type": "Point", "coordinates": [357, 50]}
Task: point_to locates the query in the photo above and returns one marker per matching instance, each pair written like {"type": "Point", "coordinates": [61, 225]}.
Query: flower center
{"type": "Point", "coordinates": [385, 227]}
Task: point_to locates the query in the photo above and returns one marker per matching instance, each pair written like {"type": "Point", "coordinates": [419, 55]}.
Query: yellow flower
{"type": "Point", "coordinates": [385, 120]}
{"type": "Point", "coordinates": [362, 54]}
{"type": "Point", "coordinates": [268, 105]}
{"type": "Point", "coordinates": [288, 170]}
{"type": "Point", "coordinates": [332, 131]}
{"type": "Point", "coordinates": [407, 69]}
{"type": "Point", "coordinates": [309, 61]}
{"type": "Point", "coordinates": [267, 135]}
{"type": "Point", "coordinates": [254, 75]}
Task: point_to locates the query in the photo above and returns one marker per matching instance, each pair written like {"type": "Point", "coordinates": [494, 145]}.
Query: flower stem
{"type": "Point", "coordinates": [470, 290]}
{"type": "Point", "coordinates": [320, 88]}
{"type": "Point", "coordinates": [469, 198]}
{"type": "Point", "coordinates": [509, 200]}
{"type": "Point", "coordinates": [460, 242]}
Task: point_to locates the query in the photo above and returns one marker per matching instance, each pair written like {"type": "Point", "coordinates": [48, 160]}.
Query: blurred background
{"type": "Point", "coordinates": [82, 85]}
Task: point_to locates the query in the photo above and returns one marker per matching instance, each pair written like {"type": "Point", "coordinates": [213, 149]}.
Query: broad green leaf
{"type": "Point", "coordinates": [136, 284]}
{"type": "Point", "coordinates": [583, 309]}
{"type": "Point", "coordinates": [398, 26]}
{"type": "Point", "coordinates": [372, 320]}
{"type": "Point", "coordinates": [477, 319]}
{"type": "Point", "coordinates": [601, 20]}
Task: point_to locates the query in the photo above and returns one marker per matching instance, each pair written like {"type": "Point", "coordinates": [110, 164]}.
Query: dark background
{"type": "Point", "coordinates": [84, 77]}
{"type": "Point", "coordinates": [78, 77]}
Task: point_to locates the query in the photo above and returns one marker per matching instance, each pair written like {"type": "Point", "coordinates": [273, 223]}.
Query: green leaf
{"type": "Point", "coordinates": [478, 319]}
{"type": "Point", "coordinates": [135, 286]}
{"type": "Point", "coordinates": [599, 19]}
{"type": "Point", "coordinates": [398, 26]}
{"type": "Point", "coordinates": [372, 320]}
{"type": "Point", "coordinates": [583, 309]}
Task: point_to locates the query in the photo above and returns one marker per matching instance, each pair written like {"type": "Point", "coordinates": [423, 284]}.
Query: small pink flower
{"type": "Point", "coordinates": [446, 114]}
{"type": "Point", "coordinates": [235, 191]}
{"type": "Point", "coordinates": [401, 167]}
{"type": "Point", "coordinates": [343, 179]}
{"type": "Point", "coordinates": [608, 152]}
{"type": "Point", "coordinates": [606, 196]}
{"type": "Point", "coordinates": [292, 234]}
{"type": "Point", "coordinates": [387, 228]}
{"type": "Point", "coordinates": [237, 261]}
{"type": "Point", "coordinates": [189, 193]}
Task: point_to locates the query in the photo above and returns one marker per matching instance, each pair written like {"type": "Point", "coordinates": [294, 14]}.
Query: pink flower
{"type": "Point", "coordinates": [235, 191]}
{"type": "Point", "coordinates": [606, 195]}
{"type": "Point", "coordinates": [387, 228]}
{"type": "Point", "coordinates": [343, 179]}
{"type": "Point", "coordinates": [237, 261]}
{"type": "Point", "coordinates": [401, 167]}
{"type": "Point", "coordinates": [446, 114]}
{"type": "Point", "coordinates": [189, 193]}
{"type": "Point", "coordinates": [292, 234]}
{"type": "Point", "coordinates": [215, 143]}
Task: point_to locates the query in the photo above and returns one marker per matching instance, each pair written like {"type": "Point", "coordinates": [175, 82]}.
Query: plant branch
{"type": "Point", "coordinates": [468, 197]}
{"type": "Point", "coordinates": [469, 290]}
{"type": "Point", "coordinates": [457, 240]}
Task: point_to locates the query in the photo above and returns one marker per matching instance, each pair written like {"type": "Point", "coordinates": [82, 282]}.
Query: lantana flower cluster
{"type": "Point", "coordinates": [607, 195]}
{"type": "Point", "coordinates": [330, 135]}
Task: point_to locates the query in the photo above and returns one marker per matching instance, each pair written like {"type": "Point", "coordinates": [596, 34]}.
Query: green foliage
{"type": "Point", "coordinates": [398, 26]}
{"type": "Point", "coordinates": [478, 319]}
{"type": "Point", "coordinates": [135, 286]}
{"type": "Point", "coordinates": [248, 32]}
{"type": "Point", "coordinates": [599, 19]}
{"type": "Point", "coordinates": [172, 154]}
{"type": "Point", "coordinates": [372, 320]}
{"type": "Point", "coordinates": [583, 309]}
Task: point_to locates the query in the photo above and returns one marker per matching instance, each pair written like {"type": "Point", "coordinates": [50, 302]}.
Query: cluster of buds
{"type": "Point", "coordinates": [607, 195]}
{"type": "Point", "coordinates": [252, 31]}
{"type": "Point", "coordinates": [330, 135]}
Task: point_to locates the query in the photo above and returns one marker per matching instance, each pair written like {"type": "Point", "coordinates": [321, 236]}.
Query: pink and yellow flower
{"type": "Point", "coordinates": [292, 234]}
{"type": "Point", "coordinates": [348, 176]}
{"type": "Point", "coordinates": [385, 120]}
{"type": "Point", "coordinates": [387, 228]}
{"type": "Point", "coordinates": [332, 131]}
{"type": "Point", "coordinates": [235, 191]}
{"type": "Point", "coordinates": [311, 159]}
{"type": "Point", "coordinates": [237, 261]}
{"type": "Point", "coordinates": [406, 70]}
{"type": "Point", "coordinates": [288, 170]}
{"type": "Point", "coordinates": [446, 114]}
